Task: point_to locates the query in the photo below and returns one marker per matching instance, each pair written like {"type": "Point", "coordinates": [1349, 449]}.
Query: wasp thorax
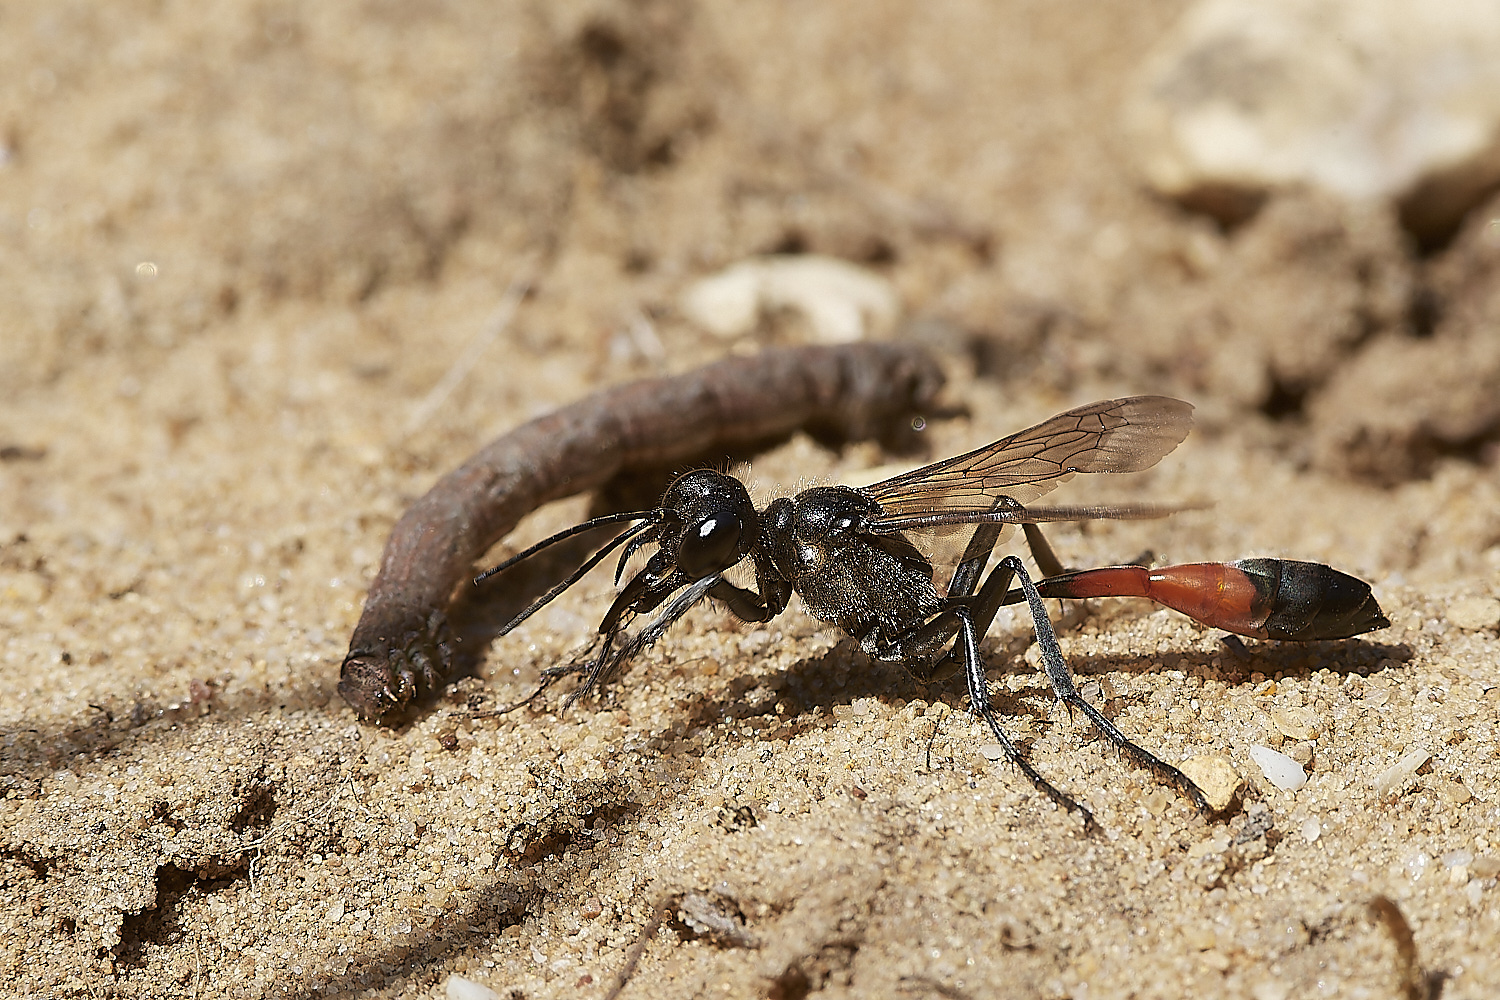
{"type": "Point", "coordinates": [802, 536]}
{"type": "Point", "coordinates": [829, 515]}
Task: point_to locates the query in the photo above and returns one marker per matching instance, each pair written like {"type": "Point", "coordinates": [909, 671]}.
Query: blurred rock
{"type": "Point", "coordinates": [1326, 275]}
{"type": "Point", "coordinates": [1404, 403]}
{"type": "Point", "coordinates": [1368, 99]}
{"type": "Point", "coordinates": [1474, 614]}
{"type": "Point", "coordinates": [1411, 398]}
{"type": "Point", "coordinates": [841, 302]}
{"type": "Point", "coordinates": [1291, 299]}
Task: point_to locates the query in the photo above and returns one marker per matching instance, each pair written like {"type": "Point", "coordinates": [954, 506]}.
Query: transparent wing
{"type": "Point", "coordinates": [1115, 435]}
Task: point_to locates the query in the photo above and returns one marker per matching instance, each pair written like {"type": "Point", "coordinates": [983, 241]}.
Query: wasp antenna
{"type": "Point", "coordinates": [577, 529]}
{"type": "Point", "coordinates": [573, 577]}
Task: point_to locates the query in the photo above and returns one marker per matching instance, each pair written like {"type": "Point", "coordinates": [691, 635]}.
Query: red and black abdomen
{"type": "Point", "coordinates": [1261, 598]}
{"type": "Point", "coordinates": [1306, 600]}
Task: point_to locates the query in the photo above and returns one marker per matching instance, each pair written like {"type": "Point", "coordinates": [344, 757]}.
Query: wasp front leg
{"type": "Point", "coordinates": [749, 606]}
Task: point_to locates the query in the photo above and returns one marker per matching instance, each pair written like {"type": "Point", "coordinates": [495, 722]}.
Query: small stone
{"type": "Point", "coordinates": [1454, 791]}
{"type": "Point", "coordinates": [1474, 614]}
{"type": "Point", "coordinates": [1297, 723]}
{"type": "Point", "coordinates": [1398, 774]}
{"type": "Point", "coordinates": [1215, 777]}
{"type": "Point", "coordinates": [1311, 830]}
{"type": "Point", "coordinates": [1484, 867]}
{"type": "Point", "coordinates": [1366, 101]}
{"type": "Point", "coordinates": [1271, 989]}
{"type": "Point", "coordinates": [1200, 937]}
{"type": "Point", "coordinates": [1279, 769]}
{"type": "Point", "coordinates": [1302, 753]}
{"type": "Point", "coordinates": [26, 589]}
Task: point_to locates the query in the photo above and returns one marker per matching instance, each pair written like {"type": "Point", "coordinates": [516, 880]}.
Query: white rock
{"type": "Point", "coordinates": [459, 988]}
{"type": "Point", "coordinates": [1369, 99]}
{"type": "Point", "coordinates": [726, 304]}
{"type": "Point", "coordinates": [1398, 774]}
{"type": "Point", "coordinates": [1279, 769]}
{"type": "Point", "coordinates": [1474, 614]}
{"type": "Point", "coordinates": [841, 302]}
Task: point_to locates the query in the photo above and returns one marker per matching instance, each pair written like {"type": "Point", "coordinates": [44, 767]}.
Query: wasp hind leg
{"type": "Point", "coordinates": [957, 622]}
{"type": "Point", "coordinates": [988, 601]}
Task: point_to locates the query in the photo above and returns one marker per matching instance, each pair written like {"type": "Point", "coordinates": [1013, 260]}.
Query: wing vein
{"type": "Point", "coordinates": [1114, 435]}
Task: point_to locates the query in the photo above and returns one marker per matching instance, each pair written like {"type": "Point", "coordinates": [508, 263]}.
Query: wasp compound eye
{"type": "Point", "coordinates": [710, 546]}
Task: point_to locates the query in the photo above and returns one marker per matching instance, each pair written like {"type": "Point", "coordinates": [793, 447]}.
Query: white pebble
{"type": "Point", "coordinates": [459, 988]}
{"type": "Point", "coordinates": [842, 302]}
{"type": "Point", "coordinates": [1367, 100]}
{"type": "Point", "coordinates": [1279, 769]}
{"type": "Point", "coordinates": [1311, 830]}
{"type": "Point", "coordinates": [1392, 778]}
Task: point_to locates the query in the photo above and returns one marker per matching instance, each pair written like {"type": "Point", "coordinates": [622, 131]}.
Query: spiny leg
{"type": "Point", "coordinates": [609, 658]}
{"type": "Point", "coordinates": [592, 670]}
{"type": "Point", "coordinates": [922, 644]}
{"type": "Point", "coordinates": [670, 613]}
{"type": "Point", "coordinates": [994, 595]}
{"type": "Point", "coordinates": [1062, 683]}
{"type": "Point", "coordinates": [1041, 550]}
{"type": "Point", "coordinates": [979, 697]}
{"type": "Point", "coordinates": [549, 676]}
{"type": "Point", "coordinates": [644, 594]}
{"type": "Point", "coordinates": [971, 565]}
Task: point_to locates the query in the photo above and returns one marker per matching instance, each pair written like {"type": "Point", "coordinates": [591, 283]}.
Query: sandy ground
{"type": "Point", "coordinates": [240, 244]}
